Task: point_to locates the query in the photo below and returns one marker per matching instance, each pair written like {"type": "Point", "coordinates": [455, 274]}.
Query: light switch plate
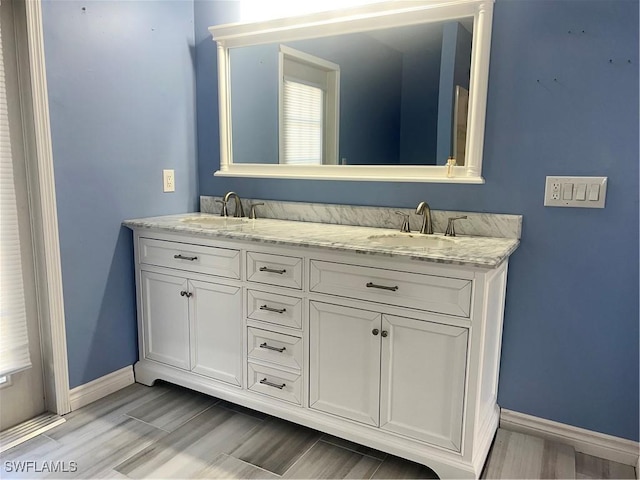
{"type": "Point", "coordinates": [575, 192]}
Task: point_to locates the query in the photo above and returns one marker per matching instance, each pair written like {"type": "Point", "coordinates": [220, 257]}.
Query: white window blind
{"type": "Point", "coordinates": [302, 123]}
{"type": "Point", "coordinates": [14, 342]}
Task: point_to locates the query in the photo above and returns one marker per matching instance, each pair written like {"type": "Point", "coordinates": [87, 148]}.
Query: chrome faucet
{"type": "Point", "coordinates": [451, 229]}
{"type": "Point", "coordinates": [239, 211]}
{"type": "Point", "coordinates": [424, 209]}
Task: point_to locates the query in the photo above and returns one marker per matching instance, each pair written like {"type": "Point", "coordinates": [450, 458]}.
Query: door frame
{"type": "Point", "coordinates": [42, 203]}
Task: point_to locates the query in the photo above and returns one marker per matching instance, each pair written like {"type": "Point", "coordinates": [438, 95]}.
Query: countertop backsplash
{"type": "Point", "coordinates": [479, 224]}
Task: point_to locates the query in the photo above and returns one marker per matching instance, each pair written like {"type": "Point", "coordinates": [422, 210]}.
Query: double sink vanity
{"type": "Point", "coordinates": [386, 338]}
{"type": "Point", "coordinates": [343, 319]}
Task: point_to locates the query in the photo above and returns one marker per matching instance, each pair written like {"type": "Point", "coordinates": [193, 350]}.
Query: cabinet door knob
{"type": "Point", "coordinates": [185, 294]}
{"type": "Point", "coordinates": [375, 331]}
{"type": "Point", "coordinates": [384, 333]}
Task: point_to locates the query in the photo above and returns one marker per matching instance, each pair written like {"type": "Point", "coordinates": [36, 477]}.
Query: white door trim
{"type": "Point", "coordinates": [42, 200]}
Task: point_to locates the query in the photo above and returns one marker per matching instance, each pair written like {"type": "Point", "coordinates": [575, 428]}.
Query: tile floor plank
{"type": "Point", "coordinates": [355, 447]}
{"type": "Point", "coordinates": [174, 408]}
{"type": "Point", "coordinates": [192, 447]}
{"type": "Point", "coordinates": [105, 409]}
{"type": "Point", "coordinates": [588, 466]}
{"type": "Point", "coordinates": [558, 461]}
{"type": "Point", "coordinates": [33, 448]}
{"type": "Point", "coordinates": [87, 456]}
{"type": "Point", "coordinates": [395, 467]}
{"type": "Point", "coordinates": [325, 460]}
{"type": "Point", "coordinates": [515, 455]}
{"type": "Point", "coordinates": [276, 445]}
{"type": "Point", "coordinates": [243, 410]}
{"type": "Point", "coordinates": [225, 466]}
{"type": "Point", "coordinates": [109, 474]}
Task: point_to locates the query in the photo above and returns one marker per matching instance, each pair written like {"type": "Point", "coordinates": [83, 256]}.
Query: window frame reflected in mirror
{"type": "Point", "coordinates": [361, 19]}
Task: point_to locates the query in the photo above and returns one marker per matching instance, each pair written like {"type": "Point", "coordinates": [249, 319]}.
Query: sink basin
{"type": "Point", "coordinates": [412, 240]}
{"type": "Point", "coordinates": [214, 221]}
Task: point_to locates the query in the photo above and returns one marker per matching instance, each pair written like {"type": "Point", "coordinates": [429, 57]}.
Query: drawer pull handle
{"type": "Point", "coordinates": [186, 294]}
{"type": "Point", "coordinates": [275, 349]}
{"type": "Point", "coordinates": [271, 309]}
{"type": "Point", "coordinates": [383, 287]}
{"type": "Point", "coordinates": [264, 381]}
{"type": "Point", "coordinates": [272, 270]}
{"type": "Point", "coordinates": [182, 257]}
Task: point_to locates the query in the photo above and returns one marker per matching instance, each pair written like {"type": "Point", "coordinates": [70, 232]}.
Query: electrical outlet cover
{"type": "Point", "coordinates": [168, 181]}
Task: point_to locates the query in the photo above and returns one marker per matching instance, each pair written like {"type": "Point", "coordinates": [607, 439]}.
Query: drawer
{"type": "Point", "coordinates": [451, 296]}
{"type": "Point", "coordinates": [276, 348]}
{"type": "Point", "coordinates": [277, 270]}
{"type": "Point", "coordinates": [222, 262]}
{"type": "Point", "coordinates": [275, 383]}
{"type": "Point", "coordinates": [272, 308]}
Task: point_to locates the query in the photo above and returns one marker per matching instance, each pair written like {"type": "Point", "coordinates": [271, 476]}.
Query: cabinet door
{"type": "Point", "coordinates": [344, 365]}
{"type": "Point", "coordinates": [423, 378]}
{"type": "Point", "coordinates": [165, 319]}
{"type": "Point", "coordinates": [216, 331]}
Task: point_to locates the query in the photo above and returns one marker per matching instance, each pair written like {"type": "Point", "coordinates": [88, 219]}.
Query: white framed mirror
{"type": "Point", "coordinates": [383, 92]}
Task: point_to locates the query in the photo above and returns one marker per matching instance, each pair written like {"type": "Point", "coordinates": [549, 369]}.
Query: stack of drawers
{"type": "Point", "coordinates": [274, 326]}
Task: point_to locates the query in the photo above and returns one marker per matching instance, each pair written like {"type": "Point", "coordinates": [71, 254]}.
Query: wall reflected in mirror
{"type": "Point", "coordinates": [392, 96]}
{"type": "Point", "coordinates": [461, 113]}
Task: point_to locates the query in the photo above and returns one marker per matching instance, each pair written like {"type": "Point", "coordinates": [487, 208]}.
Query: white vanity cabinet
{"type": "Point", "coordinates": [275, 343]}
{"type": "Point", "coordinates": [400, 374]}
{"type": "Point", "coordinates": [398, 354]}
{"type": "Point", "coordinates": [216, 332]}
{"type": "Point", "coordinates": [344, 362]}
{"type": "Point", "coordinates": [165, 319]}
{"type": "Point", "coordinates": [188, 322]}
{"type": "Point", "coordinates": [422, 380]}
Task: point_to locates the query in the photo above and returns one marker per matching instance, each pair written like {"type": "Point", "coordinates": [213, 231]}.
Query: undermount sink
{"type": "Point", "coordinates": [214, 221]}
{"type": "Point", "coordinates": [412, 240]}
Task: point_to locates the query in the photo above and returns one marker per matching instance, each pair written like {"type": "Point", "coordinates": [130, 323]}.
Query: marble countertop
{"type": "Point", "coordinates": [487, 252]}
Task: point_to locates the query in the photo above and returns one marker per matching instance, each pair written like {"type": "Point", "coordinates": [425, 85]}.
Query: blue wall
{"type": "Point", "coordinates": [121, 97]}
{"type": "Point", "coordinates": [556, 106]}
{"type": "Point", "coordinates": [254, 95]}
{"type": "Point", "coordinates": [420, 93]}
{"type": "Point", "coordinates": [369, 97]}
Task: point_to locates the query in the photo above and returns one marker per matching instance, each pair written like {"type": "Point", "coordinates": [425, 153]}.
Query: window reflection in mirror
{"type": "Point", "coordinates": [309, 89]}
{"type": "Point", "coordinates": [388, 97]}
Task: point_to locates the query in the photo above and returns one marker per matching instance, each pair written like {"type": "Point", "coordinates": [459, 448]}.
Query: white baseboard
{"type": "Point", "coordinates": [593, 443]}
{"type": "Point", "coordinates": [100, 387]}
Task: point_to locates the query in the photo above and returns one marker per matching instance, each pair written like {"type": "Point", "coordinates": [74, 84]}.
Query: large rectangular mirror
{"type": "Point", "coordinates": [389, 91]}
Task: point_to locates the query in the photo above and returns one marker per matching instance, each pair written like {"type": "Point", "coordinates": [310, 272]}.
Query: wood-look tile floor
{"type": "Point", "coordinates": [170, 432]}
